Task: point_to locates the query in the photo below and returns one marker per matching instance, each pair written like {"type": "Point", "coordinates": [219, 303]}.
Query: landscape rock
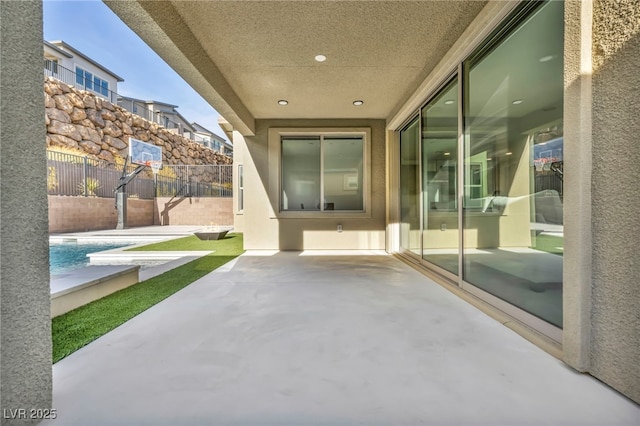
{"type": "Point", "coordinates": [80, 119]}
{"type": "Point", "coordinates": [95, 117]}
{"type": "Point", "coordinates": [107, 156]}
{"type": "Point", "coordinates": [64, 129]}
{"type": "Point", "coordinates": [115, 142]}
{"type": "Point", "coordinates": [60, 140]}
{"type": "Point", "coordinates": [111, 129]}
{"type": "Point", "coordinates": [89, 101]}
{"type": "Point", "coordinates": [48, 101]}
{"type": "Point", "coordinates": [63, 103]}
{"type": "Point", "coordinates": [90, 147]}
{"type": "Point", "coordinates": [58, 115]}
{"type": "Point", "coordinates": [75, 100]}
{"type": "Point", "coordinates": [78, 114]}
{"type": "Point", "coordinates": [108, 115]}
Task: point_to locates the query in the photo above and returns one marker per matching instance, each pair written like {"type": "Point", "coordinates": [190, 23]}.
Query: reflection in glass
{"type": "Point", "coordinates": [513, 231]}
{"type": "Point", "coordinates": [323, 173]}
{"type": "Point", "coordinates": [439, 167]}
{"type": "Point", "coordinates": [301, 173]}
{"type": "Point", "coordinates": [343, 169]}
{"type": "Point", "coordinates": [410, 188]}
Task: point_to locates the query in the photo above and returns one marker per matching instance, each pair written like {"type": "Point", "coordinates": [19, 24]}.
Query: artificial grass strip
{"type": "Point", "coordinates": [77, 328]}
{"type": "Point", "coordinates": [190, 243]}
{"type": "Point", "coordinates": [549, 243]}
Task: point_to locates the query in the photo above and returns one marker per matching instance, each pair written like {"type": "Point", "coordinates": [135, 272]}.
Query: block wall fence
{"type": "Point", "coordinates": [81, 214]}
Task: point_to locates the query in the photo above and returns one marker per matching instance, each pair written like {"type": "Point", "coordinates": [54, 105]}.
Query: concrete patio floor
{"type": "Point", "coordinates": [315, 338]}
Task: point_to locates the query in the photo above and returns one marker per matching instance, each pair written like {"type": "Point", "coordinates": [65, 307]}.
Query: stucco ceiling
{"type": "Point", "coordinates": [244, 56]}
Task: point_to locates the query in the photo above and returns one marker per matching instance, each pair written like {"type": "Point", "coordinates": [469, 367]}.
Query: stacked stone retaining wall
{"type": "Point", "coordinates": [80, 120]}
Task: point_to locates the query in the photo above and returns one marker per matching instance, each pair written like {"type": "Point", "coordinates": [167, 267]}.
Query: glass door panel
{"type": "Point", "coordinates": [410, 188]}
{"type": "Point", "coordinates": [512, 212]}
{"type": "Point", "coordinates": [439, 179]}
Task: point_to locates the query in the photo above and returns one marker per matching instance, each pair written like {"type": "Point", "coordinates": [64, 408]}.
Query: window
{"type": "Point", "coordinates": [240, 188]}
{"type": "Point", "coordinates": [51, 65]}
{"type": "Point", "coordinates": [322, 173]}
{"type": "Point", "coordinates": [319, 172]}
{"type": "Point", "coordinates": [86, 80]}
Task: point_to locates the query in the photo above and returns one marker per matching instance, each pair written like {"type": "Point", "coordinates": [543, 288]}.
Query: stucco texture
{"type": "Point", "coordinates": [25, 364]}
{"type": "Point", "coordinates": [615, 338]}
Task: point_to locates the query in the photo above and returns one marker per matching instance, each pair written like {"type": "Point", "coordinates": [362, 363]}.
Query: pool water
{"type": "Point", "coordinates": [66, 256]}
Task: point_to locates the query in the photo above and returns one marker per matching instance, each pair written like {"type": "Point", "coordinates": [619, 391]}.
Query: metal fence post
{"type": "Point", "coordinates": [85, 171]}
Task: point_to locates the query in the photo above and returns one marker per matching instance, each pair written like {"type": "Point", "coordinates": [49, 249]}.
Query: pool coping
{"type": "Point", "coordinates": [111, 270]}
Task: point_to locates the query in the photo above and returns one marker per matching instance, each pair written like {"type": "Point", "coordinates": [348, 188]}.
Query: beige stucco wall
{"type": "Point", "coordinates": [25, 324]}
{"type": "Point", "coordinates": [265, 230]}
{"type": "Point", "coordinates": [615, 180]}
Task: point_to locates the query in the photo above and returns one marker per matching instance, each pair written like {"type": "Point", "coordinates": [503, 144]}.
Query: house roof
{"type": "Point", "coordinates": [149, 101]}
{"type": "Point", "coordinates": [61, 45]}
{"type": "Point", "coordinates": [261, 52]}
{"type": "Point", "coordinates": [57, 49]}
{"type": "Point", "coordinates": [201, 128]}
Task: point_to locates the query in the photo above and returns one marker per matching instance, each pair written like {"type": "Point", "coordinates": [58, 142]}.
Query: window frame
{"type": "Point", "coordinates": [240, 205]}
{"type": "Point", "coordinates": [92, 82]}
{"type": "Point", "coordinates": [275, 172]}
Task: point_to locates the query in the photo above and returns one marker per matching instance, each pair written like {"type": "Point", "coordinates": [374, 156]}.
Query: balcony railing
{"type": "Point", "coordinates": [55, 70]}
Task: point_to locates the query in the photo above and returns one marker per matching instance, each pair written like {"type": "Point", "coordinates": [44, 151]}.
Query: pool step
{"type": "Point", "coordinates": [76, 288]}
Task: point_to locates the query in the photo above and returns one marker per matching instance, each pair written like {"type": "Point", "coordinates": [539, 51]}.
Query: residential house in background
{"type": "Point", "coordinates": [162, 113]}
{"type": "Point", "coordinates": [209, 139]}
{"type": "Point", "coordinates": [64, 62]}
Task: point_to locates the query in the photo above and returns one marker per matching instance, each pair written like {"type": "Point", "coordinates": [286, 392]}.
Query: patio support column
{"type": "Point", "coordinates": [577, 185]}
{"type": "Point", "coordinates": [25, 324]}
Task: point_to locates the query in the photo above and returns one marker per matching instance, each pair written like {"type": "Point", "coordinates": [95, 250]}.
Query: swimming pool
{"type": "Point", "coordinates": [69, 255]}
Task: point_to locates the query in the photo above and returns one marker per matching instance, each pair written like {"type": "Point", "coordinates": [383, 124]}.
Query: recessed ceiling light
{"type": "Point", "coordinates": [517, 102]}
{"type": "Point", "coordinates": [509, 153]}
{"type": "Point", "coordinates": [320, 58]}
{"type": "Point", "coordinates": [448, 102]}
{"type": "Point", "coordinates": [447, 153]}
{"type": "Point", "coordinates": [546, 58]}
{"type": "Point", "coordinates": [358, 102]}
{"type": "Point", "coordinates": [283, 102]}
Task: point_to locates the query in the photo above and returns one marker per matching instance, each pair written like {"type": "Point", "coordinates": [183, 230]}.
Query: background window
{"type": "Point", "coordinates": [240, 188]}
{"type": "Point", "coordinates": [322, 173]}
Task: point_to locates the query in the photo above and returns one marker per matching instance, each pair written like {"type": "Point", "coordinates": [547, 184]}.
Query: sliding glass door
{"type": "Point", "coordinates": [512, 166]}
{"type": "Point", "coordinates": [410, 188]}
{"type": "Point", "coordinates": [485, 159]}
{"type": "Point", "coordinates": [439, 176]}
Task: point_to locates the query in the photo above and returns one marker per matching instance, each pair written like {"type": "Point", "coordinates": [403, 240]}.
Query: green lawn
{"type": "Point", "coordinates": [79, 327]}
{"type": "Point", "coordinates": [549, 243]}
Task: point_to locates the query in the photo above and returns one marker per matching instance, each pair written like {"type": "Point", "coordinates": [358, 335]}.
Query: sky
{"type": "Point", "coordinates": [93, 29]}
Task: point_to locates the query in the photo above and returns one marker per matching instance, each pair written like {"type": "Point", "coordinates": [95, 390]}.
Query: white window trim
{"type": "Point", "coordinates": [275, 171]}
